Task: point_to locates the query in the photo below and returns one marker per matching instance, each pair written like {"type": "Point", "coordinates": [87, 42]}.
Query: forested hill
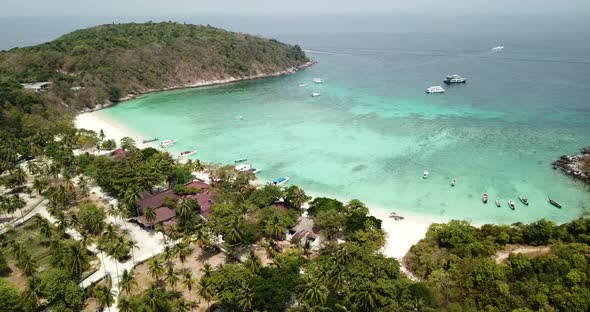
{"type": "Point", "coordinates": [106, 62]}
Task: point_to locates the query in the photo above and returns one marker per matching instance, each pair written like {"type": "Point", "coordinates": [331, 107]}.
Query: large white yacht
{"type": "Point", "coordinates": [454, 79]}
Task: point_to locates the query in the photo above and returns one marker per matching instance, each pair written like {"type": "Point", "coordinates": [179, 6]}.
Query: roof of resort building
{"type": "Point", "coordinates": [203, 198]}
{"type": "Point", "coordinates": [163, 214]}
{"type": "Point", "coordinates": [119, 153]}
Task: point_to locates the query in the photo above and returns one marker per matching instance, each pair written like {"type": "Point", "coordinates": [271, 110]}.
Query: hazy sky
{"type": "Point", "coordinates": [175, 7]}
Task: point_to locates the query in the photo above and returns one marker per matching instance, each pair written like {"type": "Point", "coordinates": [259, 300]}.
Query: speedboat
{"type": "Point", "coordinates": [523, 199]}
{"type": "Point", "coordinates": [149, 140]}
{"type": "Point", "coordinates": [498, 202]}
{"type": "Point", "coordinates": [186, 153]}
{"type": "Point", "coordinates": [454, 79]}
{"type": "Point", "coordinates": [497, 49]}
{"type": "Point", "coordinates": [453, 182]}
{"type": "Point", "coordinates": [554, 203]}
{"type": "Point", "coordinates": [280, 181]}
{"type": "Point", "coordinates": [302, 85]}
{"type": "Point", "coordinates": [167, 143]}
{"type": "Point", "coordinates": [243, 159]}
{"type": "Point", "coordinates": [238, 118]}
{"type": "Point", "coordinates": [243, 167]}
{"type": "Point", "coordinates": [318, 80]}
{"type": "Point", "coordinates": [435, 89]}
{"type": "Point", "coordinates": [254, 170]}
{"type": "Point", "coordinates": [315, 94]}
{"type": "Point", "coordinates": [485, 198]}
{"type": "Point", "coordinates": [511, 204]}
{"type": "Point", "coordinates": [425, 175]}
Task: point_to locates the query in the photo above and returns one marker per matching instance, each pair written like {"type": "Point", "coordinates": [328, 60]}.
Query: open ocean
{"type": "Point", "coordinates": [374, 131]}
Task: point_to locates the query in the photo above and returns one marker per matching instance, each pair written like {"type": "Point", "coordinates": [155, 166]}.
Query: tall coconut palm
{"type": "Point", "coordinates": [295, 197]}
{"type": "Point", "coordinates": [182, 305]}
{"type": "Point", "coordinates": [27, 264]}
{"type": "Point", "coordinates": [183, 250]}
{"type": "Point", "coordinates": [153, 296]}
{"type": "Point", "coordinates": [131, 197]}
{"type": "Point", "coordinates": [76, 258]}
{"type": "Point", "coordinates": [150, 215]}
{"type": "Point", "coordinates": [205, 290]}
{"type": "Point", "coordinates": [124, 305]}
{"type": "Point", "coordinates": [169, 254]}
{"type": "Point", "coordinates": [45, 228]}
{"type": "Point", "coordinates": [132, 245]}
{"type": "Point", "coordinates": [117, 252]}
{"type": "Point", "coordinates": [128, 281]}
{"type": "Point", "coordinates": [39, 185]}
{"type": "Point", "coordinates": [275, 229]}
{"type": "Point", "coordinates": [207, 270]}
{"type": "Point", "coordinates": [171, 278]}
{"type": "Point", "coordinates": [253, 263]}
{"type": "Point", "coordinates": [17, 203]}
{"type": "Point", "coordinates": [315, 293]}
{"type": "Point", "coordinates": [155, 268]}
{"type": "Point", "coordinates": [105, 297]}
{"type": "Point", "coordinates": [31, 295]}
{"type": "Point", "coordinates": [189, 282]}
{"type": "Point", "coordinates": [17, 250]}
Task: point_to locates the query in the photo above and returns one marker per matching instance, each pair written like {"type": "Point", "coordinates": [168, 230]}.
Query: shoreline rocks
{"type": "Point", "coordinates": [574, 165]}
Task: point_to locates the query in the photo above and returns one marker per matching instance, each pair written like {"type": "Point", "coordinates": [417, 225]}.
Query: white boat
{"type": "Point", "coordinates": [280, 181]}
{"type": "Point", "coordinates": [315, 94]}
{"type": "Point", "coordinates": [255, 171]}
{"type": "Point", "coordinates": [435, 89]}
{"type": "Point", "coordinates": [186, 153]}
{"type": "Point", "coordinates": [243, 159]}
{"type": "Point", "coordinates": [302, 85]}
{"type": "Point", "coordinates": [318, 80]}
{"type": "Point", "coordinates": [425, 175]}
{"type": "Point", "coordinates": [454, 79]}
{"type": "Point", "coordinates": [243, 167]}
{"type": "Point", "coordinates": [498, 49]}
{"type": "Point", "coordinates": [238, 118]}
{"type": "Point", "coordinates": [167, 143]}
{"type": "Point", "coordinates": [453, 182]}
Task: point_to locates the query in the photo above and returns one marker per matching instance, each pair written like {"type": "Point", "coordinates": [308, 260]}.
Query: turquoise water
{"type": "Point", "coordinates": [373, 130]}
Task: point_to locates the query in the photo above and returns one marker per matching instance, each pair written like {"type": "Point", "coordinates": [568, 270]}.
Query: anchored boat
{"type": "Point", "coordinates": [280, 181]}
{"type": "Point", "coordinates": [554, 203]}
{"type": "Point", "coordinates": [523, 199]}
{"type": "Point", "coordinates": [453, 182]}
{"type": "Point", "coordinates": [315, 94]}
{"type": "Point", "coordinates": [167, 143]}
{"type": "Point", "coordinates": [454, 79]}
{"type": "Point", "coordinates": [149, 140]}
{"type": "Point", "coordinates": [435, 89]}
{"type": "Point", "coordinates": [244, 167]}
{"type": "Point", "coordinates": [498, 202]}
{"type": "Point", "coordinates": [511, 204]}
{"type": "Point", "coordinates": [243, 159]}
{"type": "Point", "coordinates": [318, 80]}
{"type": "Point", "coordinates": [425, 175]}
{"type": "Point", "coordinates": [186, 153]}
{"type": "Point", "coordinates": [485, 198]}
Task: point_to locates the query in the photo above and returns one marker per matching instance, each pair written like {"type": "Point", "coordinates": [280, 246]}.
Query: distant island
{"type": "Point", "coordinates": [104, 64]}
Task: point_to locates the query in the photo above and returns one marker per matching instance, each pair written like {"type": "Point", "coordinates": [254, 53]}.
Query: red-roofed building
{"type": "Point", "coordinates": [163, 214]}
{"type": "Point", "coordinates": [203, 197]}
{"type": "Point", "coordinates": [119, 153]}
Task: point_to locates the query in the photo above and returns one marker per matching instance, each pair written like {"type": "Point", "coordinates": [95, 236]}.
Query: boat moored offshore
{"type": "Point", "coordinates": [149, 140]}
{"type": "Point", "coordinates": [167, 143]}
{"type": "Point", "coordinates": [280, 181]}
{"type": "Point", "coordinates": [243, 167]}
{"type": "Point", "coordinates": [435, 89]}
{"type": "Point", "coordinates": [318, 80]}
{"type": "Point", "coordinates": [454, 79]}
{"type": "Point", "coordinates": [315, 94]}
{"type": "Point", "coordinates": [186, 153]}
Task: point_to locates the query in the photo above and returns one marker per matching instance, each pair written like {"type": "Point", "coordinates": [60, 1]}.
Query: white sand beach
{"type": "Point", "coordinates": [401, 234]}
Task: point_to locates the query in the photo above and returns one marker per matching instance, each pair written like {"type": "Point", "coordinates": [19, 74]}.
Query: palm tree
{"type": "Point", "coordinates": [128, 281]}
{"type": "Point", "coordinates": [31, 294]}
{"type": "Point", "coordinates": [132, 245]}
{"type": "Point", "coordinates": [45, 228]}
{"type": "Point", "coordinates": [131, 196]}
{"type": "Point", "coordinates": [183, 250]}
{"type": "Point", "coordinates": [188, 282]}
{"type": "Point", "coordinates": [315, 293]}
{"type": "Point", "coordinates": [275, 229]}
{"type": "Point", "coordinates": [153, 296]}
{"type": "Point", "coordinates": [83, 187]}
{"type": "Point", "coordinates": [205, 290]}
{"type": "Point", "coordinates": [150, 215]}
{"type": "Point", "coordinates": [207, 270]}
{"type": "Point", "coordinates": [76, 259]}
{"type": "Point", "coordinates": [118, 251]}
{"type": "Point", "coordinates": [27, 264]}
{"type": "Point", "coordinates": [171, 278]}
{"type": "Point", "coordinates": [306, 247]}
{"type": "Point", "coordinates": [245, 301]}
{"type": "Point", "coordinates": [124, 305]}
{"type": "Point", "coordinates": [16, 249]}
{"type": "Point", "coordinates": [295, 197]}
{"type": "Point", "coordinates": [17, 203]}
{"type": "Point", "coordinates": [155, 268]}
{"type": "Point", "coordinates": [39, 185]}
{"type": "Point", "coordinates": [253, 263]}
{"type": "Point", "coordinates": [169, 254]}
{"type": "Point", "coordinates": [366, 298]}
{"type": "Point", "coordinates": [110, 233]}
{"type": "Point", "coordinates": [105, 297]}
{"type": "Point", "coordinates": [182, 305]}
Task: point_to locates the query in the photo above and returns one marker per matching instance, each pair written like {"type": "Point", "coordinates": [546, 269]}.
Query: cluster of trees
{"type": "Point", "coordinates": [456, 260]}
{"type": "Point", "coordinates": [110, 61]}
